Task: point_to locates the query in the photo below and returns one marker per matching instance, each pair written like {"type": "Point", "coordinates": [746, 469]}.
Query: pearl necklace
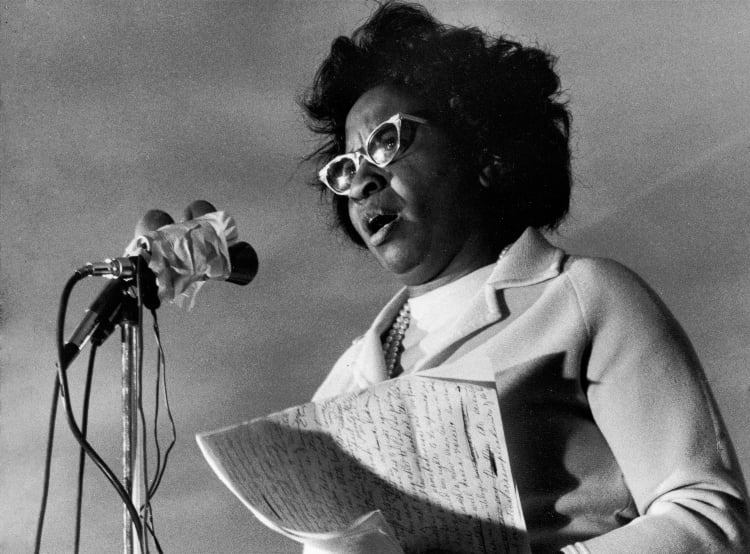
{"type": "Point", "coordinates": [393, 343]}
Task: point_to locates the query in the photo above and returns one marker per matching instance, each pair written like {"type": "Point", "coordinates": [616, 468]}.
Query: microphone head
{"type": "Point", "coordinates": [244, 263]}
{"type": "Point", "coordinates": [242, 256]}
{"type": "Point", "coordinates": [151, 221]}
{"type": "Point", "coordinates": [197, 209]}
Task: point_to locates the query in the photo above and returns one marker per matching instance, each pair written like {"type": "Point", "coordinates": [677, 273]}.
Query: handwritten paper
{"type": "Point", "coordinates": [430, 455]}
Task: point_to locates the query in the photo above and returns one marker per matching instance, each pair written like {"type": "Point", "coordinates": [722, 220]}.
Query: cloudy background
{"type": "Point", "coordinates": [110, 109]}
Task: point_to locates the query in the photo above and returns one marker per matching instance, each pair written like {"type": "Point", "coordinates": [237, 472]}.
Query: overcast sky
{"type": "Point", "coordinates": [109, 110]}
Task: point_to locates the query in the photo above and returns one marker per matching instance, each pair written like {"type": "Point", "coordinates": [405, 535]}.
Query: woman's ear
{"type": "Point", "coordinates": [489, 176]}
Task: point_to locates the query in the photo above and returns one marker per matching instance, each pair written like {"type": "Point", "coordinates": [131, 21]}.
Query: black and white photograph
{"type": "Point", "coordinates": [374, 277]}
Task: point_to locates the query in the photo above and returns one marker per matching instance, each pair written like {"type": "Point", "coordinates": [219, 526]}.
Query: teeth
{"type": "Point", "coordinates": [375, 223]}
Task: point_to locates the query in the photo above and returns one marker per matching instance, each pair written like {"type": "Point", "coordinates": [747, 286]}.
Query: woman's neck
{"type": "Point", "coordinates": [463, 264]}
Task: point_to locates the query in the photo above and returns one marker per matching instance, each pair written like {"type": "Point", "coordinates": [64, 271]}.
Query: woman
{"type": "Point", "coordinates": [446, 153]}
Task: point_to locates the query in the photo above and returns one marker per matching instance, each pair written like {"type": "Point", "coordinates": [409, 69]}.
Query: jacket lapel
{"type": "Point", "coordinates": [530, 260]}
{"type": "Point", "coordinates": [371, 360]}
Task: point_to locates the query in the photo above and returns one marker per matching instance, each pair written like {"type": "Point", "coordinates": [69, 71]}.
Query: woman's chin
{"type": "Point", "coordinates": [401, 265]}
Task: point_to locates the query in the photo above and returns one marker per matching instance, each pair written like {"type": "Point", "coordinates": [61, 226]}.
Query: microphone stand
{"type": "Point", "coordinates": [125, 312]}
{"type": "Point", "coordinates": [132, 446]}
{"type": "Point", "coordinates": [133, 435]}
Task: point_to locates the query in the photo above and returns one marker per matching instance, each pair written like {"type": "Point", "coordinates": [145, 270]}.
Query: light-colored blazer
{"type": "Point", "coordinates": [615, 440]}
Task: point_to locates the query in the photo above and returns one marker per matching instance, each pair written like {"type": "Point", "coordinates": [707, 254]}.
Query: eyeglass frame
{"type": "Point", "coordinates": [357, 155]}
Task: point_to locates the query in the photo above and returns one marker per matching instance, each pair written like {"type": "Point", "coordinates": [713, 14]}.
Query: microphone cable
{"type": "Point", "coordinates": [81, 453]}
{"type": "Point", "coordinates": [47, 467]}
{"type": "Point", "coordinates": [161, 381]}
{"type": "Point", "coordinates": [72, 282]}
{"type": "Point", "coordinates": [145, 509]}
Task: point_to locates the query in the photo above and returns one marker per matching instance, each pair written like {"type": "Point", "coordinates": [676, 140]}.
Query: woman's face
{"type": "Point", "coordinates": [417, 215]}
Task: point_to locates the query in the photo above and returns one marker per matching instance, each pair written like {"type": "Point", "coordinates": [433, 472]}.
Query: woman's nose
{"type": "Point", "coordinates": [367, 181]}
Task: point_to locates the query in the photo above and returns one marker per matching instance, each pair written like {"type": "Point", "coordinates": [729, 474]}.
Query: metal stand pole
{"type": "Point", "coordinates": [132, 474]}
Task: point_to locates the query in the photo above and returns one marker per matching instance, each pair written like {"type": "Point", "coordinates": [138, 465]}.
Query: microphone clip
{"type": "Point", "coordinates": [126, 269]}
{"type": "Point", "coordinates": [117, 268]}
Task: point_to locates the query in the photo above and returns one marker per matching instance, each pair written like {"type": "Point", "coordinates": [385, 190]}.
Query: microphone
{"type": "Point", "coordinates": [242, 256]}
{"type": "Point", "coordinates": [243, 259]}
{"type": "Point", "coordinates": [151, 221]}
{"type": "Point", "coordinates": [104, 312]}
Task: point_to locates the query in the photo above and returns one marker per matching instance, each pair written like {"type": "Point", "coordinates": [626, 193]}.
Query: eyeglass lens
{"type": "Point", "coordinates": [341, 172]}
{"type": "Point", "coordinates": [382, 148]}
{"type": "Point", "coordinates": [383, 144]}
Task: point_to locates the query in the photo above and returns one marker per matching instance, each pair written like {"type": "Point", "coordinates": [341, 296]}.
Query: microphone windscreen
{"type": "Point", "coordinates": [197, 209]}
{"type": "Point", "coordinates": [244, 262]}
{"type": "Point", "coordinates": [151, 221]}
{"type": "Point", "coordinates": [242, 256]}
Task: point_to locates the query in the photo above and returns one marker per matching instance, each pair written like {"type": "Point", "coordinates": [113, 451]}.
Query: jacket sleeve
{"type": "Point", "coordinates": [649, 396]}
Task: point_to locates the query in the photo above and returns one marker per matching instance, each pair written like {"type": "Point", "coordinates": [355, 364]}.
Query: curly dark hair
{"type": "Point", "coordinates": [499, 99]}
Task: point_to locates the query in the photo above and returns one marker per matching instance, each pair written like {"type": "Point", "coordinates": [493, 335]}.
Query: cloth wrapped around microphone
{"type": "Point", "coordinates": [184, 255]}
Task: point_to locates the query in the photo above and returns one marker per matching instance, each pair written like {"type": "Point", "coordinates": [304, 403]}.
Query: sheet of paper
{"type": "Point", "coordinates": [429, 454]}
{"type": "Point", "coordinates": [369, 534]}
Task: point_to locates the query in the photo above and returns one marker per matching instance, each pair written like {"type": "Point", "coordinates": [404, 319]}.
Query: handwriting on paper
{"type": "Point", "coordinates": [429, 454]}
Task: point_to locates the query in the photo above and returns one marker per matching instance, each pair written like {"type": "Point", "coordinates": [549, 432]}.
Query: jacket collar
{"type": "Point", "coordinates": [530, 260]}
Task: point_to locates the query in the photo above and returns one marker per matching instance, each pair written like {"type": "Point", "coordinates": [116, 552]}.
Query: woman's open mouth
{"type": "Point", "coordinates": [379, 226]}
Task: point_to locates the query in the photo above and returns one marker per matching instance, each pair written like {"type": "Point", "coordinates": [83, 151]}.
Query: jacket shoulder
{"type": "Point", "coordinates": [606, 288]}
